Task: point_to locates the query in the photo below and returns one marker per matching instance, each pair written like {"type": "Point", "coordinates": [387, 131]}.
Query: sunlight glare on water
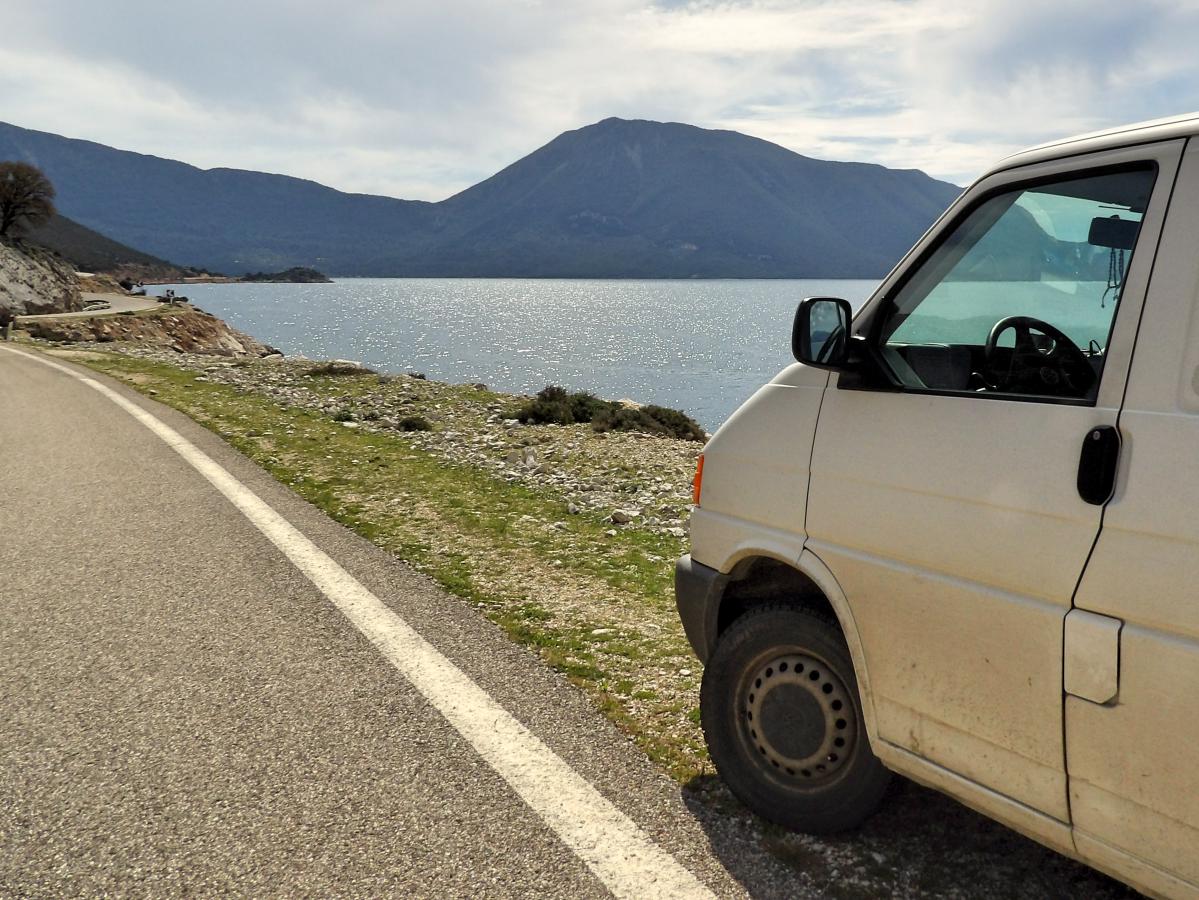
{"type": "Point", "coordinates": [699, 346]}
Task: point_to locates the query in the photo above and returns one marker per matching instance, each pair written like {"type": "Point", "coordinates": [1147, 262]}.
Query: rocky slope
{"type": "Point", "coordinates": [182, 329]}
{"type": "Point", "coordinates": [91, 251]}
{"type": "Point", "coordinates": [33, 280]}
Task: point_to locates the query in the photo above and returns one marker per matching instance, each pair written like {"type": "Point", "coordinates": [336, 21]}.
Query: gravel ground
{"type": "Point", "coordinates": [638, 479]}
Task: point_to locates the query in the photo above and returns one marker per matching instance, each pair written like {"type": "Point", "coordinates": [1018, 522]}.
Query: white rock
{"type": "Point", "coordinates": [36, 282]}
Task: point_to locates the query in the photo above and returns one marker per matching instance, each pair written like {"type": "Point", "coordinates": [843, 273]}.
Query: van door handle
{"type": "Point", "coordinates": [1097, 464]}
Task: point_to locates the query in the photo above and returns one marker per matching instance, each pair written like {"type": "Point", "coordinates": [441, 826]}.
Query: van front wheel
{"type": "Point", "coordinates": [783, 721]}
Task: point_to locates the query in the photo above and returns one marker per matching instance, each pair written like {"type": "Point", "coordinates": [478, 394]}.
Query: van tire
{"type": "Point", "coordinates": [805, 762]}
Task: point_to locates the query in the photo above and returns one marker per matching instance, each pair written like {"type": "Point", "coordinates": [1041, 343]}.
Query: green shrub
{"type": "Point", "coordinates": [585, 407]}
{"type": "Point", "coordinates": [339, 368]}
{"type": "Point", "coordinates": [675, 422]}
{"type": "Point", "coordinates": [550, 407]}
{"type": "Point", "coordinates": [650, 419]}
{"type": "Point", "coordinates": [554, 405]}
{"type": "Point", "coordinates": [414, 423]}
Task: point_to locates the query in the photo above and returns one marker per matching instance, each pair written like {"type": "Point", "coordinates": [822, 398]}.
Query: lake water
{"type": "Point", "coordinates": [699, 346]}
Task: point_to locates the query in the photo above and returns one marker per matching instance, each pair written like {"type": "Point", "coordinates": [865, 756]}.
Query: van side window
{"type": "Point", "coordinates": [1019, 299]}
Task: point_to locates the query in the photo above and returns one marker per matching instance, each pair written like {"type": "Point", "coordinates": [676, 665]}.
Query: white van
{"type": "Point", "coordinates": [960, 538]}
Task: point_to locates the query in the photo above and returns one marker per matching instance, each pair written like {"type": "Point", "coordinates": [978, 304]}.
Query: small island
{"type": "Point", "coordinates": [294, 275]}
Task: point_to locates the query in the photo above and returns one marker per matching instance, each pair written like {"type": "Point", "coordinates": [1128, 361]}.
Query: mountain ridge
{"type": "Point", "coordinates": [91, 251]}
{"type": "Point", "coordinates": [618, 198]}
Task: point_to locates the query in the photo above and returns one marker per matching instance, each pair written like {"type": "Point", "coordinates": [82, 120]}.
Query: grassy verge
{"type": "Point", "coordinates": [596, 603]}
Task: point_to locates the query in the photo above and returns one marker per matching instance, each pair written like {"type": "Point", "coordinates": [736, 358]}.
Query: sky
{"type": "Point", "coordinates": [422, 99]}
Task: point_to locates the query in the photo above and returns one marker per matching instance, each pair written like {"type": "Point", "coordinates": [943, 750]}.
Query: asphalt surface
{"type": "Point", "coordinates": [183, 712]}
{"type": "Point", "coordinates": [117, 303]}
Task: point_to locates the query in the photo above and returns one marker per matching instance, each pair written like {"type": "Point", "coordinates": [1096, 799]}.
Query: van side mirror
{"type": "Point", "coordinates": [820, 336]}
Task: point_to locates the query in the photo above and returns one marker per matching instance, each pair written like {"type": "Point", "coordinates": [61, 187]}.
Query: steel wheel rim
{"type": "Point", "coordinates": [831, 737]}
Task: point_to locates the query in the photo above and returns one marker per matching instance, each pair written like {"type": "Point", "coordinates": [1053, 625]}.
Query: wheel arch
{"type": "Point", "coordinates": [760, 578]}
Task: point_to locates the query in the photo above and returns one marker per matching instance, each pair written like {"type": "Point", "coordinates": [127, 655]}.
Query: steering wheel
{"type": "Point", "coordinates": [1060, 370]}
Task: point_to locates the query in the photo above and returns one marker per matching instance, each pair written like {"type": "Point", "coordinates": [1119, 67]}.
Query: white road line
{"type": "Point", "coordinates": [623, 856]}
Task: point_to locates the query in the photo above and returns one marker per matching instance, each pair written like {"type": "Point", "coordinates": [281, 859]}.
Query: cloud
{"type": "Point", "coordinates": [421, 100]}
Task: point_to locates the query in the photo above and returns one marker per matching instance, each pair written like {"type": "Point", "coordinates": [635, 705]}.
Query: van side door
{"type": "Point", "coordinates": [1132, 644]}
{"type": "Point", "coordinates": [944, 493]}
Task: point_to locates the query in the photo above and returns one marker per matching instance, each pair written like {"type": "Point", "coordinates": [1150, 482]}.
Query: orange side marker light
{"type": "Point", "coordinates": [697, 484]}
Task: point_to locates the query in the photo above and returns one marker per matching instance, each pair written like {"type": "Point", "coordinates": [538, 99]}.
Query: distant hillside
{"type": "Point", "coordinates": [618, 198]}
{"type": "Point", "coordinates": [93, 252]}
{"type": "Point", "coordinates": [294, 275]}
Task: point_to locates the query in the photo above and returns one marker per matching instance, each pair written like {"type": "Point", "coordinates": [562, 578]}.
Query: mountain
{"type": "Point", "coordinates": [230, 220]}
{"type": "Point", "coordinates": [93, 252]}
{"type": "Point", "coordinates": [615, 199]}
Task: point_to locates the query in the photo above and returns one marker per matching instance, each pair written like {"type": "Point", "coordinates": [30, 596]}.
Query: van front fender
{"type": "Point", "coordinates": [700, 590]}
{"type": "Point", "coordinates": [814, 568]}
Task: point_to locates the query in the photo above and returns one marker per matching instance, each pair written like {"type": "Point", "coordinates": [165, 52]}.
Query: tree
{"type": "Point", "coordinates": [26, 197]}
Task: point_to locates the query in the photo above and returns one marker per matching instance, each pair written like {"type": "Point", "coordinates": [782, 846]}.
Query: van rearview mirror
{"type": "Point", "coordinates": [1113, 232]}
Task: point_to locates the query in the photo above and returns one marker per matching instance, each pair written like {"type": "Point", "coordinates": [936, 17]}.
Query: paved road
{"type": "Point", "coordinates": [182, 710]}
{"type": "Point", "coordinates": [117, 303]}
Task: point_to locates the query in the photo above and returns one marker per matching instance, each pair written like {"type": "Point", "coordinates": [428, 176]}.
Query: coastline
{"type": "Point", "coordinates": [700, 347]}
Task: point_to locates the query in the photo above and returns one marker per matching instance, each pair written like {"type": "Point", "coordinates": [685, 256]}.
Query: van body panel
{"type": "Point", "coordinates": [720, 540]}
{"type": "Point", "coordinates": [1153, 131]}
{"type": "Point", "coordinates": [1150, 880]}
{"type": "Point", "coordinates": [985, 762]}
{"type": "Point", "coordinates": [815, 568]}
{"type": "Point", "coordinates": [1033, 823]}
{"type": "Point", "coordinates": [1134, 763]}
{"type": "Point", "coordinates": [965, 675]}
{"type": "Point", "coordinates": [1134, 778]}
{"type": "Point", "coordinates": [756, 474]}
